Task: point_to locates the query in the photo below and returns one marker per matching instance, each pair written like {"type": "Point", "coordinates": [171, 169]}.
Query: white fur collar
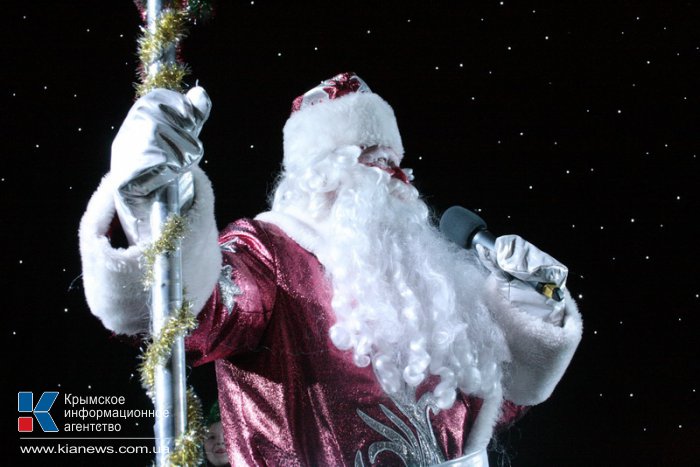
{"type": "Point", "coordinates": [306, 235]}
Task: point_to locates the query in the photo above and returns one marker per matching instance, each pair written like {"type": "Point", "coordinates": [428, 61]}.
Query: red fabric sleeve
{"type": "Point", "coordinates": [249, 262]}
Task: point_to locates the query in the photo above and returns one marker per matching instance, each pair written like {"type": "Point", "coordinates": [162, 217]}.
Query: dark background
{"type": "Point", "coordinates": [570, 123]}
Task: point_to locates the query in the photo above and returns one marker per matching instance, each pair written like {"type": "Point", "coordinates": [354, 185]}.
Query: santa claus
{"type": "Point", "coordinates": [345, 329]}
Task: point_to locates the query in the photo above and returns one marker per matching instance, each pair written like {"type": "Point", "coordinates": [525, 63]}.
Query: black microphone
{"type": "Point", "coordinates": [467, 229]}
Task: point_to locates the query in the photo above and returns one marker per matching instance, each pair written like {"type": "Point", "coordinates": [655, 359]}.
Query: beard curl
{"type": "Point", "coordinates": [406, 300]}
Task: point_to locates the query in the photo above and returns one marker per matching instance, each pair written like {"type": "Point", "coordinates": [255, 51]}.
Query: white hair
{"type": "Point", "coordinates": [406, 300]}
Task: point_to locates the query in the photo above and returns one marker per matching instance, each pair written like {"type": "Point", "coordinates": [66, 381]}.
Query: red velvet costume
{"type": "Point", "coordinates": [288, 396]}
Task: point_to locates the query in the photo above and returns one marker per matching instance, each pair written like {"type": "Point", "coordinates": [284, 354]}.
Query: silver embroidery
{"type": "Point", "coordinates": [414, 449]}
{"type": "Point", "coordinates": [228, 246]}
{"type": "Point", "coordinates": [229, 289]}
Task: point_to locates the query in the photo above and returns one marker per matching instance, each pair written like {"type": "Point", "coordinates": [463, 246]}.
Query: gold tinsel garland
{"type": "Point", "coordinates": [173, 230]}
{"type": "Point", "coordinates": [188, 446]}
{"type": "Point", "coordinates": [171, 28]}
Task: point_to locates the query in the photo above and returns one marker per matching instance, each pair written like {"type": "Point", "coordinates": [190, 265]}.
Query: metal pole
{"type": "Point", "coordinates": [170, 398]}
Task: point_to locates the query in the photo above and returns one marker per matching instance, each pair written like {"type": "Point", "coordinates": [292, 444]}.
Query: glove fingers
{"type": "Point", "coordinates": [201, 105]}
{"type": "Point", "coordinates": [180, 148]}
{"type": "Point", "coordinates": [525, 261]}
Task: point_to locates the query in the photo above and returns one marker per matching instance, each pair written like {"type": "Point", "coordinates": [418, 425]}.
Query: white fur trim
{"type": "Point", "coordinates": [352, 120]}
{"type": "Point", "coordinates": [540, 351]}
{"type": "Point", "coordinates": [304, 234]}
{"type": "Point", "coordinates": [112, 277]}
{"type": "Point", "coordinates": [482, 429]}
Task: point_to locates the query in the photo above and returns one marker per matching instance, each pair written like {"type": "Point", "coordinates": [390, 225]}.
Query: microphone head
{"type": "Point", "coordinates": [460, 225]}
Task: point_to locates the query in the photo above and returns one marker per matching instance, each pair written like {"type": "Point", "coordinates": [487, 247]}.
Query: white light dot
{"type": "Point", "coordinates": [20, 261]}
{"type": "Point", "coordinates": [530, 187]}
{"type": "Point", "coordinates": [65, 310]}
{"type": "Point", "coordinates": [45, 88]}
{"type": "Point", "coordinates": [89, 386]}
{"type": "Point", "coordinates": [279, 54]}
{"type": "Point", "coordinates": [632, 220]}
{"type": "Point", "coordinates": [408, 21]}
{"type": "Point", "coordinates": [369, 31]}
{"type": "Point", "coordinates": [252, 146]}
{"type": "Point", "coordinates": [315, 48]}
{"type": "Point", "coordinates": [595, 332]}
{"type": "Point", "coordinates": [568, 171]}
{"type": "Point", "coordinates": [580, 295]}
{"type": "Point", "coordinates": [619, 111]}
{"type": "Point", "coordinates": [602, 227]}
{"type": "Point", "coordinates": [87, 30]}
{"type": "Point", "coordinates": [646, 257]}
{"type": "Point", "coordinates": [522, 133]}
{"type": "Point", "coordinates": [473, 98]}
{"type": "Point", "coordinates": [510, 48]}
{"type": "Point", "coordinates": [546, 38]}
{"type": "Point", "coordinates": [648, 62]}
{"type": "Point", "coordinates": [36, 145]}
{"type": "Point", "coordinates": [80, 129]}
{"type": "Point", "coordinates": [461, 65]}
{"type": "Point", "coordinates": [437, 67]}
{"type": "Point", "coordinates": [680, 426]}
{"type": "Point", "coordinates": [631, 394]}
{"type": "Point", "coordinates": [573, 226]}
{"type": "Point", "coordinates": [678, 197]}
{"type": "Point", "coordinates": [600, 395]}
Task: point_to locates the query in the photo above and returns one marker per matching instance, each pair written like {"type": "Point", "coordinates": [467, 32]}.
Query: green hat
{"type": "Point", "coordinates": [214, 414]}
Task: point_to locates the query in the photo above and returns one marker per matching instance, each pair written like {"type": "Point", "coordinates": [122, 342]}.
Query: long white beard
{"type": "Point", "coordinates": [406, 300]}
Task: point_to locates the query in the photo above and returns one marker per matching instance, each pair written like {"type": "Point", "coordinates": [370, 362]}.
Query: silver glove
{"type": "Point", "coordinates": [519, 267]}
{"type": "Point", "coordinates": [157, 143]}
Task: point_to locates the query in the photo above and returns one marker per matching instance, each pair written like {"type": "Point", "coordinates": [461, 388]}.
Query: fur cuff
{"type": "Point", "coordinates": [540, 351]}
{"type": "Point", "coordinates": [112, 276]}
